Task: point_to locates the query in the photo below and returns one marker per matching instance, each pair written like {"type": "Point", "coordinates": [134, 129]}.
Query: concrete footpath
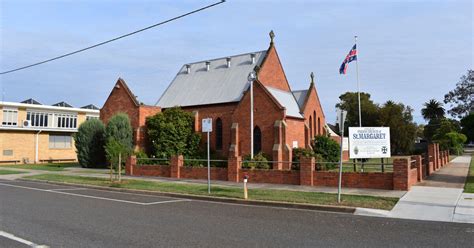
{"type": "Point", "coordinates": [440, 197]}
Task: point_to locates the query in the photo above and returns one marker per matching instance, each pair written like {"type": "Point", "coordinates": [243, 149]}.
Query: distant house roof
{"type": "Point", "coordinates": [300, 96]}
{"type": "Point", "coordinates": [63, 104]}
{"type": "Point", "coordinates": [287, 100]}
{"type": "Point", "coordinates": [220, 84]}
{"type": "Point", "coordinates": [90, 106]}
{"type": "Point", "coordinates": [31, 101]}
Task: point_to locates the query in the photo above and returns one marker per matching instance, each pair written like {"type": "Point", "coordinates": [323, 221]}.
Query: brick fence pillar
{"type": "Point", "coordinates": [401, 174]}
{"type": "Point", "coordinates": [130, 164]}
{"type": "Point", "coordinates": [438, 164]}
{"type": "Point", "coordinates": [443, 158]}
{"type": "Point", "coordinates": [431, 160]}
{"type": "Point", "coordinates": [175, 166]}
{"type": "Point", "coordinates": [446, 157]}
{"type": "Point", "coordinates": [233, 166]}
{"type": "Point", "coordinates": [306, 171]}
{"type": "Point", "coordinates": [419, 167]}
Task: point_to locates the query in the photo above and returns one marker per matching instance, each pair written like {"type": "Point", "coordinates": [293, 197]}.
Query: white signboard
{"type": "Point", "coordinates": [369, 142]}
{"type": "Point", "coordinates": [207, 125]}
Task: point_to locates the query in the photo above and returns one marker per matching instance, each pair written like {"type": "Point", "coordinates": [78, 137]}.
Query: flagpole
{"type": "Point", "coordinates": [358, 84]}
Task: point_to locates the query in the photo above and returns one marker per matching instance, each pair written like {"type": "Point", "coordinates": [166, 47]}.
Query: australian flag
{"type": "Point", "coordinates": [349, 58]}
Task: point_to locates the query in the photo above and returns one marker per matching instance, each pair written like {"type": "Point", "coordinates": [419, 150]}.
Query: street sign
{"type": "Point", "coordinates": [369, 142]}
{"type": "Point", "coordinates": [207, 125]}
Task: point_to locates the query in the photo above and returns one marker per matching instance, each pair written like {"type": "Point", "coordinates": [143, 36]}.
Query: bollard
{"type": "Point", "coordinates": [246, 177]}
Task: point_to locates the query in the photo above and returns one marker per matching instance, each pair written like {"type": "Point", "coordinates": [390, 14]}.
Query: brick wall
{"type": "Point", "coordinates": [271, 176]}
{"type": "Point", "coordinates": [271, 72]}
{"type": "Point", "coordinates": [201, 173]}
{"type": "Point", "coordinates": [266, 112]}
{"type": "Point", "coordinates": [372, 180]}
{"type": "Point", "coordinates": [152, 170]}
{"type": "Point", "coordinates": [222, 111]}
{"type": "Point", "coordinates": [314, 110]}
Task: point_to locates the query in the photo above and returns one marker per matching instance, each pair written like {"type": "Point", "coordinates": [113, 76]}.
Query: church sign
{"type": "Point", "coordinates": [369, 142]}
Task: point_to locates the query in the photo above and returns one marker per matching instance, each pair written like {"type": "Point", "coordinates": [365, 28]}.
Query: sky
{"type": "Point", "coordinates": [410, 51]}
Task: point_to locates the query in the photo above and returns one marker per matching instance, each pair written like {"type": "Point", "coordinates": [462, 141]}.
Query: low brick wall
{"type": "Point", "coordinates": [271, 176]}
{"type": "Point", "coordinates": [371, 180]}
{"type": "Point", "coordinates": [413, 178]}
{"type": "Point", "coordinates": [152, 170]}
{"type": "Point", "coordinates": [201, 173]}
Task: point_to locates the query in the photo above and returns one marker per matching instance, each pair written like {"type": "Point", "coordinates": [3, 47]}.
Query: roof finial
{"type": "Point", "coordinates": [272, 35]}
{"type": "Point", "coordinates": [312, 78]}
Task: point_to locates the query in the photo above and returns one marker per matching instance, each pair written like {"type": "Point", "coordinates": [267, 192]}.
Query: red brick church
{"type": "Point", "coordinates": [219, 89]}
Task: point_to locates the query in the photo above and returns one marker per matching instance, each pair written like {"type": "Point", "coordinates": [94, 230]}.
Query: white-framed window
{"type": "Point", "coordinates": [39, 119]}
{"type": "Point", "coordinates": [66, 121]}
{"type": "Point", "coordinates": [10, 117]}
{"type": "Point", "coordinates": [57, 141]}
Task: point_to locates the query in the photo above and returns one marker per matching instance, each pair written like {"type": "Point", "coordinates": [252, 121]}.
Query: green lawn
{"type": "Point", "coordinates": [230, 192]}
{"type": "Point", "coordinates": [8, 172]}
{"type": "Point", "coordinates": [469, 186]}
{"type": "Point", "coordinates": [45, 167]}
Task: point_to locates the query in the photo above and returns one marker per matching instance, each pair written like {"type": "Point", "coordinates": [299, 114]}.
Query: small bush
{"type": "Point", "coordinates": [328, 149]}
{"type": "Point", "coordinates": [89, 141]}
{"type": "Point", "coordinates": [259, 161]}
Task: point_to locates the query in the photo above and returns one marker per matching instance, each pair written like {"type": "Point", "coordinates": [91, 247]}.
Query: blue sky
{"type": "Point", "coordinates": [409, 51]}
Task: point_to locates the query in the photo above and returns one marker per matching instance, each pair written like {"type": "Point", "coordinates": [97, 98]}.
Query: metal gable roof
{"type": "Point", "coordinates": [287, 100]}
{"type": "Point", "coordinates": [300, 96]}
{"type": "Point", "coordinates": [218, 85]}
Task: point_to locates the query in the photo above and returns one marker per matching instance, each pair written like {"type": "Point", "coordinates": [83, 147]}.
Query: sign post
{"type": "Point", "coordinates": [207, 128]}
{"type": "Point", "coordinates": [341, 118]}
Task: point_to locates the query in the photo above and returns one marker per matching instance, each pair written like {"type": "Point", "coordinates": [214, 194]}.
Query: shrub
{"type": "Point", "coordinates": [453, 141]}
{"type": "Point", "coordinates": [297, 153]}
{"type": "Point", "coordinates": [171, 133]}
{"type": "Point", "coordinates": [118, 137]}
{"type": "Point", "coordinates": [327, 149]}
{"type": "Point", "coordinates": [89, 141]}
{"type": "Point", "coordinates": [259, 161]}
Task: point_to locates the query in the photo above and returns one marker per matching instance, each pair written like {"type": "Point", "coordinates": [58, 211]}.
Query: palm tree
{"type": "Point", "coordinates": [433, 110]}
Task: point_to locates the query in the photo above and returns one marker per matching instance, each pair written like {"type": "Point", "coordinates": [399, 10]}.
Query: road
{"type": "Point", "coordinates": [62, 216]}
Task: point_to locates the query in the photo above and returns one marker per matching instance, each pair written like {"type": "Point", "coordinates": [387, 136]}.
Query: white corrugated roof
{"type": "Point", "coordinates": [300, 96]}
{"type": "Point", "coordinates": [218, 85]}
{"type": "Point", "coordinates": [287, 100]}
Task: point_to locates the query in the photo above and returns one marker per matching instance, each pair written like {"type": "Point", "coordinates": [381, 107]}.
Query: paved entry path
{"type": "Point", "coordinates": [440, 197]}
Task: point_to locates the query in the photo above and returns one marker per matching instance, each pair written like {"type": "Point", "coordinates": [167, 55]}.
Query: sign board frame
{"type": "Point", "coordinates": [369, 142]}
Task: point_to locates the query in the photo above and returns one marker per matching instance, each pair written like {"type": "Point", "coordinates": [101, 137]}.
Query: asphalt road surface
{"type": "Point", "coordinates": [62, 216]}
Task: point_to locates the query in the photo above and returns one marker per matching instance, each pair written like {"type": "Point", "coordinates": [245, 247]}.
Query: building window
{"type": "Point", "coordinates": [59, 141]}
{"type": "Point", "coordinates": [257, 140]}
{"type": "Point", "coordinates": [310, 128]}
{"type": "Point", "coordinates": [89, 117]}
{"type": "Point", "coordinates": [7, 152]}
{"type": "Point", "coordinates": [66, 121]}
{"type": "Point", "coordinates": [10, 117]}
{"type": "Point", "coordinates": [218, 134]}
{"type": "Point", "coordinates": [319, 125]}
{"type": "Point", "coordinates": [38, 119]}
{"type": "Point", "coordinates": [316, 132]}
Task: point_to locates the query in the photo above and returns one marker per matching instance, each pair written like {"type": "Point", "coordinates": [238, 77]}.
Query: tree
{"type": "Point", "coordinates": [461, 99]}
{"type": "Point", "coordinates": [448, 137]}
{"type": "Point", "coordinates": [118, 136]}
{"type": "Point", "coordinates": [350, 103]}
{"type": "Point", "coordinates": [467, 124]}
{"type": "Point", "coordinates": [89, 142]}
{"type": "Point", "coordinates": [403, 130]}
{"type": "Point", "coordinates": [171, 133]}
{"type": "Point", "coordinates": [433, 110]}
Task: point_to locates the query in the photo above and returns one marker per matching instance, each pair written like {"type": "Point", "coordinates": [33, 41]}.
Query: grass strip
{"type": "Point", "coordinates": [9, 172]}
{"type": "Point", "coordinates": [469, 186]}
{"type": "Point", "coordinates": [45, 167]}
{"type": "Point", "coordinates": [230, 192]}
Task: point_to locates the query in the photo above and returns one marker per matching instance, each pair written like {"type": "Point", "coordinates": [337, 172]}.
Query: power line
{"type": "Point", "coordinates": [114, 39]}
